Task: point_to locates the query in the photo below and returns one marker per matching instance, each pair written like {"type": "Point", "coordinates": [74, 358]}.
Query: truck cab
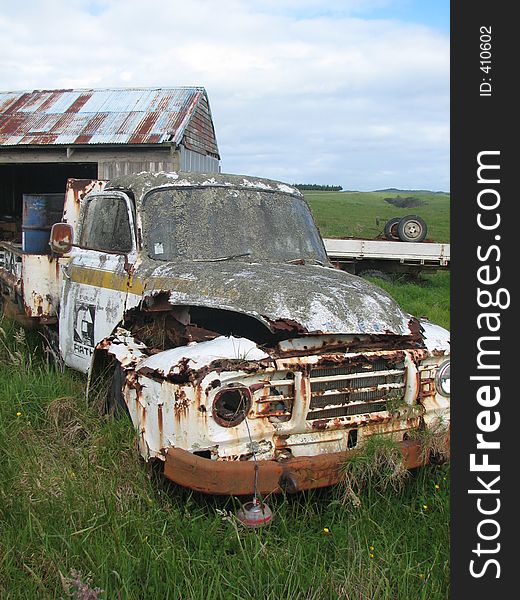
{"type": "Point", "coordinates": [244, 359]}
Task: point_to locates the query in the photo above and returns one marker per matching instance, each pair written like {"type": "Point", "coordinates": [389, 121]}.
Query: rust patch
{"type": "Point", "coordinates": [180, 404]}
{"type": "Point", "coordinates": [184, 374]}
{"type": "Point", "coordinates": [160, 422]}
{"type": "Point", "coordinates": [198, 393]}
{"type": "Point", "coordinates": [280, 441]}
{"type": "Point", "coordinates": [80, 101]}
{"type": "Point", "coordinates": [132, 381]}
{"type": "Point", "coordinates": [144, 128]}
{"type": "Point", "coordinates": [213, 385]}
{"type": "Point", "coordinates": [286, 325]}
{"type": "Point", "coordinates": [236, 477]}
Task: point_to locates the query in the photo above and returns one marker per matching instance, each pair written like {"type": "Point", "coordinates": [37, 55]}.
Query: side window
{"type": "Point", "coordinates": [106, 226]}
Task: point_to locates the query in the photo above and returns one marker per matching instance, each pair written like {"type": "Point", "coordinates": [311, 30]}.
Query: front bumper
{"type": "Point", "coordinates": [291, 475]}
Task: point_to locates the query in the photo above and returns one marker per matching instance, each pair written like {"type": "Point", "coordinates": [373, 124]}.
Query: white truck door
{"type": "Point", "coordinates": [95, 281]}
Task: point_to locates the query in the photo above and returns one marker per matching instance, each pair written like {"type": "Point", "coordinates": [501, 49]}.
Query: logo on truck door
{"type": "Point", "coordinates": [84, 329]}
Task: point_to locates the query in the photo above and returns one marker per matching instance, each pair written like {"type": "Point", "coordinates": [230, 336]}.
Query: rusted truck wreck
{"type": "Point", "coordinates": [230, 339]}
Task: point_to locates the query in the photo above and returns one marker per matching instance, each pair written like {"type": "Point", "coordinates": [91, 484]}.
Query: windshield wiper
{"type": "Point", "coordinates": [221, 258]}
{"type": "Point", "coordinates": [305, 261]}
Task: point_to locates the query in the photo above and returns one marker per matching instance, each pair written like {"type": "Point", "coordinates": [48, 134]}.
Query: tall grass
{"type": "Point", "coordinates": [80, 512]}
{"type": "Point", "coordinates": [429, 296]}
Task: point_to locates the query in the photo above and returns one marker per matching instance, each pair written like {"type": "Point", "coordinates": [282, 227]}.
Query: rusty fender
{"type": "Point", "coordinates": [291, 475]}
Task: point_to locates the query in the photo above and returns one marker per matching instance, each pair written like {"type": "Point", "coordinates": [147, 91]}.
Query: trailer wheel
{"type": "Point", "coordinates": [411, 229]}
{"type": "Point", "coordinates": [391, 228]}
{"type": "Point", "coordinates": [376, 274]}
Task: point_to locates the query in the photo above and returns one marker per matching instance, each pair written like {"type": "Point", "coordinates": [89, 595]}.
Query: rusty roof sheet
{"type": "Point", "coordinates": [102, 116]}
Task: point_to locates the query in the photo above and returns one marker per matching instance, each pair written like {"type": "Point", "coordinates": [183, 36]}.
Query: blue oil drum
{"type": "Point", "coordinates": [40, 212]}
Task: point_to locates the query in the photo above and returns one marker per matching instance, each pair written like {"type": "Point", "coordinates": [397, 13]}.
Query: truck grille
{"type": "Point", "coordinates": [355, 389]}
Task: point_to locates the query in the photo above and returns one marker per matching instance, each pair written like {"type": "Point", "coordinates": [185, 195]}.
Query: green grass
{"type": "Point", "coordinates": [363, 214]}
{"type": "Point", "coordinates": [79, 510]}
{"type": "Point", "coordinates": [78, 504]}
{"type": "Point", "coordinates": [429, 296]}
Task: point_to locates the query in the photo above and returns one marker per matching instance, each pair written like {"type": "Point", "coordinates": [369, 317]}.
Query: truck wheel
{"type": "Point", "coordinates": [376, 273]}
{"type": "Point", "coordinates": [411, 229]}
{"type": "Point", "coordinates": [116, 404]}
{"type": "Point", "coordinates": [391, 228]}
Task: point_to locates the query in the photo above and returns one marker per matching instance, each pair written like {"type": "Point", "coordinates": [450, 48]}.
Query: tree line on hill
{"type": "Point", "coordinates": [316, 187]}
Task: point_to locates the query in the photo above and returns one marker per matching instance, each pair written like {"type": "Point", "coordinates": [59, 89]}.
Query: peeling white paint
{"type": "Point", "coordinates": [127, 350]}
{"type": "Point", "coordinates": [202, 354]}
{"type": "Point", "coordinates": [436, 338]}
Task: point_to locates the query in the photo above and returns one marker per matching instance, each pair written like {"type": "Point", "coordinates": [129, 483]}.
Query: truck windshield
{"type": "Point", "coordinates": [224, 223]}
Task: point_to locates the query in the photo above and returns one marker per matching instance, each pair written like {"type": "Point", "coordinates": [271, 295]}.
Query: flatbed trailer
{"type": "Point", "coordinates": [360, 256]}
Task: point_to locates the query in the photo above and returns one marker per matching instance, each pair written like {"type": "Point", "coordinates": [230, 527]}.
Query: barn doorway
{"type": "Point", "coordinates": [34, 178]}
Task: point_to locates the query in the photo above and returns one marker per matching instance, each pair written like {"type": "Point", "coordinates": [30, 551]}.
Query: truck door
{"type": "Point", "coordinates": [96, 279]}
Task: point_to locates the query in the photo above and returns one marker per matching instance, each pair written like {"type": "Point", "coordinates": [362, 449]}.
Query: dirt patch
{"type": "Point", "coordinates": [408, 202]}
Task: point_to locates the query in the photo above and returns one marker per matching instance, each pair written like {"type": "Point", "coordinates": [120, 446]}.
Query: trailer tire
{"type": "Point", "coordinates": [391, 229]}
{"type": "Point", "coordinates": [411, 229]}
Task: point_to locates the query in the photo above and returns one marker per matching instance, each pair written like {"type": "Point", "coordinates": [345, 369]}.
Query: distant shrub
{"type": "Point", "coordinates": [316, 187]}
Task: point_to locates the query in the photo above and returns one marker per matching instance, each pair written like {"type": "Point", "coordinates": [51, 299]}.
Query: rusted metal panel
{"type": "Point", "coordinates": [42, 279]}
{"type": "Point", "coordinates": [32, 280]}
{"type": "Point", "coordinates": [107, 116]}
{"type": "Point", "coordinates": [76, 191]}
{"type": "Point", "coordinates": [293, 474]}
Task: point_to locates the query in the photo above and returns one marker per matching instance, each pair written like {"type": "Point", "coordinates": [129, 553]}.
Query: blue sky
{"type": "Point", "coordinates": [432, 13]}
{"type": "Point", "coordinates": [348, 92]}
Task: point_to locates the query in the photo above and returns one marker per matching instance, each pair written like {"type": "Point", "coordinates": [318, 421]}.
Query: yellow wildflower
{"type": "Point", "coordinates": [18, 414]}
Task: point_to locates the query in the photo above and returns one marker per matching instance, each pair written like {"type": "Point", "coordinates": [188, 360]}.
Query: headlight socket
{"type": "Point", "coordinates": [442, 379]}
{"type": "Point", "coordinates": [231, 405]}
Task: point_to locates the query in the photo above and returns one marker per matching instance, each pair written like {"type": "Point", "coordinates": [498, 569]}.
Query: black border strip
{"type": "Point", "coordinates": [482, 121]}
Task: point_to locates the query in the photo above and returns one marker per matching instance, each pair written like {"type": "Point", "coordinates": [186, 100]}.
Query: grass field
{"type": "Point", "coordinates": [356, 214]}
{"type": "Point", "coordinates": [80, 512]}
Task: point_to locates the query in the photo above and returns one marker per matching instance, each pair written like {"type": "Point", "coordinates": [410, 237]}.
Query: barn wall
{"type": "Point", "coordinates": [114, 161]}
{"type": "Point", "coordinates": [86, 155]}
{"type": "Point", "coordinates": [114, 168]}
{"type": "Point", "coordinates": [193, 161]}
{"type": "Point", "coordinates": [199, 135]}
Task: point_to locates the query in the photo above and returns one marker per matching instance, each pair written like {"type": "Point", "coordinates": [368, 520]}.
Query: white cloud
{"type": "Point", "coordinates": [359, 102]}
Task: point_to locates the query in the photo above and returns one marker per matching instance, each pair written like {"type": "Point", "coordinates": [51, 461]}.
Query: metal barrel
{"type": "Point", "coordinates": [40, 212]}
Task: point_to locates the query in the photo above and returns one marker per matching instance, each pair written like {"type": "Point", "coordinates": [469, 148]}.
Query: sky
{"type": "Point", "coordinates": [339, 92]}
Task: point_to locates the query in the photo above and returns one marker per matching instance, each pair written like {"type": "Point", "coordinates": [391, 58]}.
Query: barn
{"type": "Point", "coordinates": [47, 136]}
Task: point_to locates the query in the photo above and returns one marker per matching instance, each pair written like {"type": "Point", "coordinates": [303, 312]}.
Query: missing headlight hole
{"type": "Point", "coordinates": [231, 406]}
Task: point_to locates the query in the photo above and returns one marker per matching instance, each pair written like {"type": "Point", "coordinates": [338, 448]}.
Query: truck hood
{"type": "Point", "coordinates": [307, 298]}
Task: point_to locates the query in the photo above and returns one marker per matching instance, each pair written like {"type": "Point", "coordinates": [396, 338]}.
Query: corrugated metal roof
{"type": "Point", "coordinates": [103, 116]}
